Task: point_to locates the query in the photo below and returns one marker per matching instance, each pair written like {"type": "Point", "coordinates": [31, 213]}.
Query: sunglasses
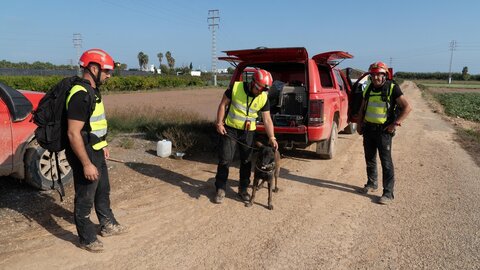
{"type": "Point", "coordinates": [108, 71]}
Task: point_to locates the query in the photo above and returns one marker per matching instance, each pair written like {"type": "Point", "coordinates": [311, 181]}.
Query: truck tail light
{"type": "Point", "coordinates": [315, 117]}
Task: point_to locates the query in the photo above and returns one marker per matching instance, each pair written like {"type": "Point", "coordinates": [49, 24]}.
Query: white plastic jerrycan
{"type": "Point", "coordinates": [164, 148]}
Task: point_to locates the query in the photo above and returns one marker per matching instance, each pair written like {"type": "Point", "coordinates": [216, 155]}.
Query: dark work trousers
{"type": "Point", "coordinates": [375, 138]}
{"type": "Point", "coordinates": [226, 153]}
{"type": "Point", "coordinates": [90, 193]}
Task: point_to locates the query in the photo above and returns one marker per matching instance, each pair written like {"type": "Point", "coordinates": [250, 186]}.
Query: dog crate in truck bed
{"type": "Point", "coordinates": [288, 105]}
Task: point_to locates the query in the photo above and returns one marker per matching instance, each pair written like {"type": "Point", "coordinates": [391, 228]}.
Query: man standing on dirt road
{"type": "Point", "coordinates": [86, 153]}
{"type": "Point", "coordinates": [383, 109]}
{"type": "Point", "coordinates": [244, 102]}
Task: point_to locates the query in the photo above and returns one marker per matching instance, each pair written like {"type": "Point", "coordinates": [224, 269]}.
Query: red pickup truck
{"type": "Point", "coordinates": [309, 101]}
{"type": "Point", "coordinates": [20, 155]}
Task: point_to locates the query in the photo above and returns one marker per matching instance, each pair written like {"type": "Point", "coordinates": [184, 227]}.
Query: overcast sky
{"type": "Point", "coordinates": [408, 35]}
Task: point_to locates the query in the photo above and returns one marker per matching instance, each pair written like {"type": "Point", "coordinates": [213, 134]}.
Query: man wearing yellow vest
{"type": "Point", "coordinates": [382, 100]}
{"type": "Point", "coordinates": [236, 122]}
{"type": "Point", "coordinates": [86, 153]}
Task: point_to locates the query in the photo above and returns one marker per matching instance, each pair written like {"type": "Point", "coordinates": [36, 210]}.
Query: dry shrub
{"type": "Point", "coordinates": [187, 130]}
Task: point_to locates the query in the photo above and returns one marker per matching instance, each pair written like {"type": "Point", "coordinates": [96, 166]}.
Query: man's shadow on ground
{"type": "Point", "coordinates": [327, 184]}
{"type": "Point", "coordinates": [192, 187]}
{"type": "Point", "coordinates": [37, 206]}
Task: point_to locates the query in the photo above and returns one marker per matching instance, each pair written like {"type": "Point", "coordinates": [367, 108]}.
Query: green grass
{"type": "Point", "coordinates": [464, 105]}
{"type": "Point", "coordinates": [438, 85]}
{"type": "Point", "coordinates": [444, 84]}
{"type": "Point", "coordinates": [472, 134]}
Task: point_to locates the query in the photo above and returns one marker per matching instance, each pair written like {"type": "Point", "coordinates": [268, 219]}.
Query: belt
{"type": "Point", "coordinates": [373, 126]}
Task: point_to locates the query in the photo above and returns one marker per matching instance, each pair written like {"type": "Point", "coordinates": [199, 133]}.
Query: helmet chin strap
{"type": "Point", "coordinates": [96, 79]}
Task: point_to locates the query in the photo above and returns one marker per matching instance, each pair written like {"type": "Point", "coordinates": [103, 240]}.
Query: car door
{"type": "Point", "coordinates": [5, 139]}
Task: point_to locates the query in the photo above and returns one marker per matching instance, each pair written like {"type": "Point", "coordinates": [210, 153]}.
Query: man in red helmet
{"type": "Point", "coordinates": [383, 110]}
{"type": "Point", "coordinates": [86, 153]}
{"type": "Point", "coordinates": [243, 102]}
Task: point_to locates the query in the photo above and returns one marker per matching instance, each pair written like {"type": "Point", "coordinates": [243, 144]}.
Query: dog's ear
{"type": "Point", "coordinates": [258, 144]}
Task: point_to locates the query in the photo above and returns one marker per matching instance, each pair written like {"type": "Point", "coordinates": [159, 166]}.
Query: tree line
{"type": "Point", "coordinates": [168, 68]}
{"type": "Point", "coordinates": [464, 76]}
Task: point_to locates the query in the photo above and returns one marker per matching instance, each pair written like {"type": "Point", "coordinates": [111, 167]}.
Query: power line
{"type": "Point", "coordinates": [213, 15]}
{"type": "Point", "coordinates": [453, 44]}
{"type": "Point", "coordinates": [77, 44]}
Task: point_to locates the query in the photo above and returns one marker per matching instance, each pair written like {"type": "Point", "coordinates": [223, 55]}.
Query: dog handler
{"type": "Point", "coordinates": [87, 151]}
{"type": "Point", "coordinates": [243, 102]}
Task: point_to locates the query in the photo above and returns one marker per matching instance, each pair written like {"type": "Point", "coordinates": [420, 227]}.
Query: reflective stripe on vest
{"type": "Point", "coordinates": [237, 114]}
{"type": "Point", "coordinates": [98, 121]}
{"type": "Point", "coordinates": [377, 109]}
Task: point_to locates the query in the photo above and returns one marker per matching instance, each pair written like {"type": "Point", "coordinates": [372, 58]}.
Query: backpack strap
{"type": "Point", "coordinates": [61, 190]}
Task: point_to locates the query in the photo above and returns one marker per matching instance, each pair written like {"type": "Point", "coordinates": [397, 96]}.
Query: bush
{"type": "Point", "coordinates": [128, 83]}
{"type": "Point", "coordinates": [187, 131]}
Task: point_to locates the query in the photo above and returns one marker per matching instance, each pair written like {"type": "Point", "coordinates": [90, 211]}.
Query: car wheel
{"type": "Point", "coordinates": [326, 149]}
{"type": "Point", "coordinates": [350, 129]}
{"type": "Point", "coordinates": [41, 170]}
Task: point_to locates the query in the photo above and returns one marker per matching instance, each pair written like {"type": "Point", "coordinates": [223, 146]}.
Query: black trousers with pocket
{"type": "Point", "coordinates": [228, 145]}
{"type": "Point", "coordinates": [376, 139]}
{"type": "Point", "coordinates": [90, 194]}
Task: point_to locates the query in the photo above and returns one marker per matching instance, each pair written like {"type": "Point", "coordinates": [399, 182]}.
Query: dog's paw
{"type": "Point", "coordinates": [248, 204]}
{"type": "Point", "coordinates": [270, 207]}
{"type": "Point", "coordinates": [276, 189]}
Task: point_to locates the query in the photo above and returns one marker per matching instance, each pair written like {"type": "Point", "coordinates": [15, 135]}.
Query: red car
{"type": "Point", "coordinates": [309, 98]}
{"type": "Point", "coordinates": [20, 155]}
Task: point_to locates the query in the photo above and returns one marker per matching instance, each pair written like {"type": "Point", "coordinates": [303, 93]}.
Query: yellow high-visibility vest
{"type": "Point", "coordinates": [377, 109]}
{"type": "Point", "coordinates": [98, 121]}
{"type": "Point", "coordinates": [240, 111]}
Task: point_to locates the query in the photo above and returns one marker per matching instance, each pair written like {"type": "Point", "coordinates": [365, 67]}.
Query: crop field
{"type": "Point", "coordinates": [464, 105]}
{"type": "Point", "coordinates": [454, 85]}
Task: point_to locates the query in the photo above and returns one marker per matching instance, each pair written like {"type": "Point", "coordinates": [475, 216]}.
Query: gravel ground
{"type": "Point", "coordinates": [320, 221]}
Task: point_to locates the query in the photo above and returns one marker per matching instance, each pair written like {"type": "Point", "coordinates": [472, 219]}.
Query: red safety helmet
{"type": "Point", "coordinates": [378, 67]}
{"type": "Point", "coordinates": [262, 79]}
{"type": "Point", "coordinates": [97, 56]}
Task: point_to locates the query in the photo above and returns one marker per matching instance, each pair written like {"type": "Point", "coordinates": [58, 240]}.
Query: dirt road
{"type": "Point", "coordinates": [319, 220]}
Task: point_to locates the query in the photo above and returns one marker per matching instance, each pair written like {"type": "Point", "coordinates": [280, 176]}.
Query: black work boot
{"type": "Point", "coordinates": [368, 189]}
{"type": "Point", "coordinates": [243, 193]}
{"type": "Point", "coordinates": [219, 196]}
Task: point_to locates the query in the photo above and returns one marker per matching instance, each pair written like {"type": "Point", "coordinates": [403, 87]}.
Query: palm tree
{"type": "Point", "coordinates": [140, 57]}
{"type": "Point", "coordinates": [170, 60]}
{"type": "Point", "coordinates": [160, 57]}
{"type": "Point", "coordinates": [142, 60]}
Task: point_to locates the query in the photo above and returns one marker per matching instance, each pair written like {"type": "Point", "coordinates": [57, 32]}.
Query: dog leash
{"type": "Point", "coordinates": [254, 148]}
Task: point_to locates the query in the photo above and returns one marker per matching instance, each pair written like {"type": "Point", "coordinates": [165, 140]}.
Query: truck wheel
{"type": "Point", "coordinates": [350, 129]}
{"type": "Point", "coordinates": [326, 149]}
{"type": "Point", "coordinates": [40, 170]}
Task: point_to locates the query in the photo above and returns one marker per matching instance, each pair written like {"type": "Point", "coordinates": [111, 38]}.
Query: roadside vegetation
{"type": "Point", "coordinates": [114, 84]}
{"type": "Point", "coordinates": [187, 131]}
{"type": "Point", "coordinates": [457, 105]}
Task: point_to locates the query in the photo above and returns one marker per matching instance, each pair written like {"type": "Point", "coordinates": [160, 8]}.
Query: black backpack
{"type": "Point", "coordinates": [51, 119]}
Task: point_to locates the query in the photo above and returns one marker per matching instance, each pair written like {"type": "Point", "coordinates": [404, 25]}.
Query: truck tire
{"type": "Point", "coordinates": [326, 148]}
{"type": "Point", "coordinates": [350, 129]}
{"type": "Point", "coordinates": [39, 168]}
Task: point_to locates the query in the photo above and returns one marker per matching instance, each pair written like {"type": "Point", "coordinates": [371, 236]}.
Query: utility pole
{"type": "Point", "coordinates": [453, 45]}
{"type": "Point", "coordinates": [77, 44]}
{"type": "Point", "coordinates": [213, 14]}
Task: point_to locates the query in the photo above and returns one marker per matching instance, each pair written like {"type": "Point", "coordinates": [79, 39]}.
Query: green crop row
{"type": "Point", "coordinates": [130, 83]}
{"type": "Point", "coordinates": [464, 105]}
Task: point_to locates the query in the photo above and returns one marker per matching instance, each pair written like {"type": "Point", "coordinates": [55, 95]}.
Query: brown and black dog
{"type": "Point", "coordinates": [267, 166]}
